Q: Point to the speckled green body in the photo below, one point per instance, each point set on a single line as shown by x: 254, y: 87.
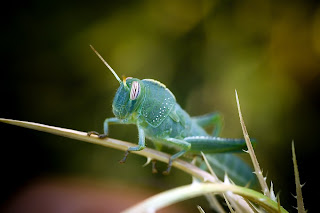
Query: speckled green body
x: 161, y: 117
x: 153, y: 109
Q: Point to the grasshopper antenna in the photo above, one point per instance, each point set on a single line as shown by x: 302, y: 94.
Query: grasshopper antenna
x: 110, y: 68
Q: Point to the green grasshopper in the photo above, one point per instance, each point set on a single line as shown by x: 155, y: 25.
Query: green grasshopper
x: 153, y: 109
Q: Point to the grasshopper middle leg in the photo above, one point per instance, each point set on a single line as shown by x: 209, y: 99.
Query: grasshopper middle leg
x: 185, y: 146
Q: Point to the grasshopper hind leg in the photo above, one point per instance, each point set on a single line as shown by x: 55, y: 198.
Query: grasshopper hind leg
x: 214, y: 119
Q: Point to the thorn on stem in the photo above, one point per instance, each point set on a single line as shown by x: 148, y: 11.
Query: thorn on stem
x: 295, y: 196
x: 246, y: 151
x: 148, y: 161
x: 302, y: 185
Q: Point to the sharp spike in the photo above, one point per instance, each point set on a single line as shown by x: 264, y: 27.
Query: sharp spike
x: 110, y: 68
x: 294, y: 196
x: 246, y: 151
x: 148, y: 161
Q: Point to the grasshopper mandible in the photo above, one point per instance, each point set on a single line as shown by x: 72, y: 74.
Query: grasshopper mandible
x: 153, y: 109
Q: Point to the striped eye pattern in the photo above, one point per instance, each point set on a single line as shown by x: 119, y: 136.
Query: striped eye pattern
x: 135, y: 90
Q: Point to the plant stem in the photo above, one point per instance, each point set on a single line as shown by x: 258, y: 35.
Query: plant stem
x: 175, y: 195
x: 297, y: 180
x: 253, y: 157
x: 115, y: 144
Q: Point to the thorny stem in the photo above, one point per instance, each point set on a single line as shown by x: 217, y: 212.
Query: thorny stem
x: 253, y: 157
x: 300, y: 206
x: 152, y: 204
x: 116, y: 144
x: 151, y: 154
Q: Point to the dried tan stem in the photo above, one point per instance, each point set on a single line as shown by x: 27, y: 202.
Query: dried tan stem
x: 253, y: 157
x: 115, y: 144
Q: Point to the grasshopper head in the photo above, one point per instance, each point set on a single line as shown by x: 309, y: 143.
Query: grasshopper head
x: 128, y: 97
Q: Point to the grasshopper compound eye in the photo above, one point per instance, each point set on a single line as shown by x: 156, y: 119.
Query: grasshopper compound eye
x: 135, y: 90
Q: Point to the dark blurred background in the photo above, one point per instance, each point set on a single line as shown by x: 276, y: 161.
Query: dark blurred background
x: 202, y: 50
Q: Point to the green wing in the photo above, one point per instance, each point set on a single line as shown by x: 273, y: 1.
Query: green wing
x: 158, y: 103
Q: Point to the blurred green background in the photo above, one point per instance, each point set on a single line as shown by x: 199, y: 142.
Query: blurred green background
x: 201, y: 50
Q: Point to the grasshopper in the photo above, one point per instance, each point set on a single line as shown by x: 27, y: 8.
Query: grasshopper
x: 153, y: 109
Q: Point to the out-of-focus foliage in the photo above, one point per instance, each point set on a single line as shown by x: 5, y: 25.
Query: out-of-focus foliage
x: 202, y: 50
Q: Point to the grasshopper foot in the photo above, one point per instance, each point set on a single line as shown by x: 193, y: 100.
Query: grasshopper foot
x: 166, y: 172
x: 123, y: 160
x: 101, y: 136
x: 154, y: 169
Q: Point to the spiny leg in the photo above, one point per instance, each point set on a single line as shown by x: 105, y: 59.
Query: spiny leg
x: 141, y: 145
x: 208, y: 120
x: 185, y: 146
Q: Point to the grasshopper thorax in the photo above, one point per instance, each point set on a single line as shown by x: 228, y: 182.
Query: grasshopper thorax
x: 128, y: 98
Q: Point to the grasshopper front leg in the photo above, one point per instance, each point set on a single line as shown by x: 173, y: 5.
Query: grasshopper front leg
x: 141, y: 145
x: 106, y: 127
